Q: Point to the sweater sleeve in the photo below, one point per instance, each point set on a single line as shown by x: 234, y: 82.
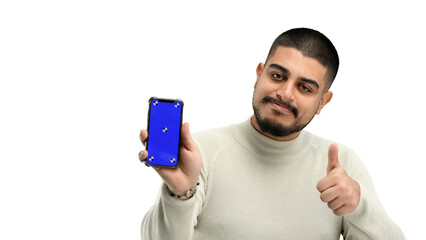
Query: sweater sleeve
x: 369, y: 220
x: 170, y: 218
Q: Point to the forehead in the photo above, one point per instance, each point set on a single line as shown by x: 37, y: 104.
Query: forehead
x: 299, y: 66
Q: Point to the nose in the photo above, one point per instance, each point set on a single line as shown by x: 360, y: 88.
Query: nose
x: 286, y: 92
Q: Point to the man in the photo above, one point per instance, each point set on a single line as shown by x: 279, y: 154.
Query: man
x: 266, y: 178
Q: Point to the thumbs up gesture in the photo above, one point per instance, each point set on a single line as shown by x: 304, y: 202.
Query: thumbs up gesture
x: 338, y: 190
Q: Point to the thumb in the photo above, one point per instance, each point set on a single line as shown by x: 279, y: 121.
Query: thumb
x: 186, y: 138
x: 333, y: 160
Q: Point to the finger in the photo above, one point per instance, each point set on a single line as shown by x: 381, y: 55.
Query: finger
x: 329, y: 195
x: 333, y: 160
x: 143, y: 155
x: 336, y: 203
x: 326, y: 183
x: 143, y: 136
x: 186, y: 137
x: 342, y: 210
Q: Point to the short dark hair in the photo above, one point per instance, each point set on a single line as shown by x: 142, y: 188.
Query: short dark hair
x: 310, y: 43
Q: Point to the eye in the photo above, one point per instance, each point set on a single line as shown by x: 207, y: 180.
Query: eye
x: 277, y: 77
x: 305, y: 88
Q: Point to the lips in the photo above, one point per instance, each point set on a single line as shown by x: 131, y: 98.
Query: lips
x: 280, y: 105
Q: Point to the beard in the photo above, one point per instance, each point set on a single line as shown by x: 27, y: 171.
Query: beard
x: 277, y: 129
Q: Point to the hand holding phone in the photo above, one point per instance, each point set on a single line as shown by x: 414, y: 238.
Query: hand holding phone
x: 185, y: 174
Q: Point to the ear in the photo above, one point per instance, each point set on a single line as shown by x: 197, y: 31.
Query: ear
x: 326, y: 98
x: 259, y: 71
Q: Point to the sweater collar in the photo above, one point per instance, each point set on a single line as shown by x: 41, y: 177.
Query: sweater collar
x: 260, y: 144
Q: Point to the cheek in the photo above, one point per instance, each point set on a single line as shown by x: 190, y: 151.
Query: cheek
x: 309, y: 109
x: 258, y: 95
x: 261, y: 90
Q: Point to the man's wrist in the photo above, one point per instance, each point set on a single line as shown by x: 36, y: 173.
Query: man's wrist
x: 186, y: 195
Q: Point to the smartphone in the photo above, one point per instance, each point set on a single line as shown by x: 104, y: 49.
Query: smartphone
x: 164, y: 125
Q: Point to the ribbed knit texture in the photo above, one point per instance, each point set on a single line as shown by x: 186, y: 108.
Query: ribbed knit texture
x: 253, y: 187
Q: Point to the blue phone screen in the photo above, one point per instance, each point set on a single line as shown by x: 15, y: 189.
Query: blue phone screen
x: 165, y: 119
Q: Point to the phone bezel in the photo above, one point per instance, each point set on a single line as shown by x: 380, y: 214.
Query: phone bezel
x: 168, y: 100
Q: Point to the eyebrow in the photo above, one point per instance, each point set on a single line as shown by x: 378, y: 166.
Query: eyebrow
x: 286, y: 71
x: 310, y: 81
x: 283, y: 69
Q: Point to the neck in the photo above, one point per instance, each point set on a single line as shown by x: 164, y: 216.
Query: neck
x: 284, y: 138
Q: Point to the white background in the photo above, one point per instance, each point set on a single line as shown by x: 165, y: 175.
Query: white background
x: 76, y: 77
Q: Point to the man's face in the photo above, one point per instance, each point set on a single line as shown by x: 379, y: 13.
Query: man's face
x: 289, y: 91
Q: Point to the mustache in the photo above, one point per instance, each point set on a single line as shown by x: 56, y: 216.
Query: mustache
x: 269, y: 99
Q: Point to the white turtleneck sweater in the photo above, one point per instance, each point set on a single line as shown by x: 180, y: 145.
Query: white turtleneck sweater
x: 253, y: 187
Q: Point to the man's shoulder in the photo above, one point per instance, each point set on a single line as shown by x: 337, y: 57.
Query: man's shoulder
x: 211, y: 142
x: 347, y: 156
x: 213, y: 136
x: 322, y: 144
